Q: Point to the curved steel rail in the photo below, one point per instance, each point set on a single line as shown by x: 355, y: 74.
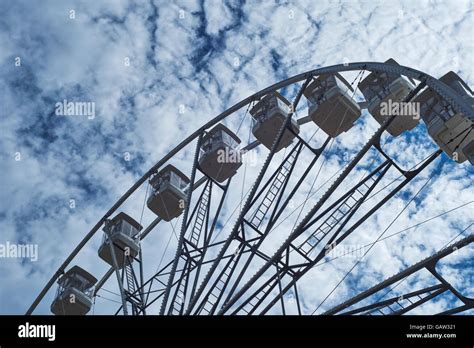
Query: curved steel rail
x: 442, y: 89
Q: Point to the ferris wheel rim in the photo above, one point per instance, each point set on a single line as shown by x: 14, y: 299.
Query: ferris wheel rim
x: 440, y: 87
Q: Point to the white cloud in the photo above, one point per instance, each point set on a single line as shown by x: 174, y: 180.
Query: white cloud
x: 173, y: 64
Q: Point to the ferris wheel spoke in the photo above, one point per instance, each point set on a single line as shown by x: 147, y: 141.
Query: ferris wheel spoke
x: 375, y: 139
x: 255, y: 266
x: 429, y: 264
x: 252, y: 194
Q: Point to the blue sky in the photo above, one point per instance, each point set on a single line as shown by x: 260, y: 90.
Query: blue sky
x: 156, y: 71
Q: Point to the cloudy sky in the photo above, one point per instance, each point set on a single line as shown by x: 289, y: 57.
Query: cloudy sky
x: 158, y: 70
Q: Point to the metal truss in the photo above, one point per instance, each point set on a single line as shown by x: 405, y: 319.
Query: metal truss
x: 407, y: 302
x: 240, y: 275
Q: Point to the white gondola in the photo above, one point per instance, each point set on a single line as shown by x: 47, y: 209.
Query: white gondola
x: 269, y: 115
x: 74, y: 294
x: 123, y: 231
x: 382, y: 91
x: 168, y: 198
x: 331, y: 106
x: 451, y: 130
x: 220, y: 157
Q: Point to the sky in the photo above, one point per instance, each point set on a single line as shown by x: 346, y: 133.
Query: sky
x: 158, y: 70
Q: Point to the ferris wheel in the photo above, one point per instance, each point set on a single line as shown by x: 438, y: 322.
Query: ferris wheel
x: 259, y: 197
